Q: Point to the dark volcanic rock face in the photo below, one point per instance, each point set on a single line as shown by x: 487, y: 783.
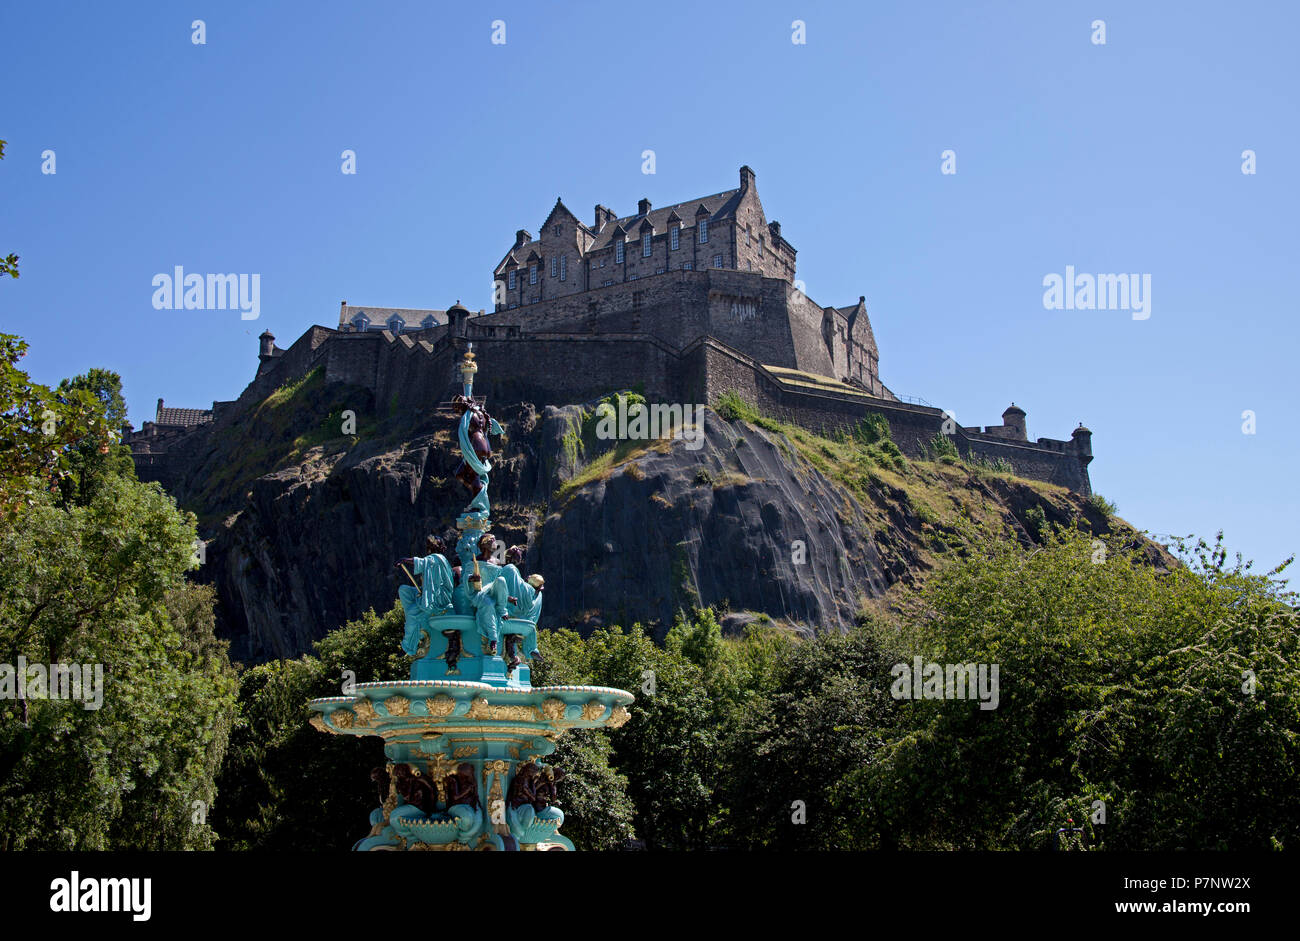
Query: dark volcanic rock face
x: 734, y: 523
x: 744, y: 523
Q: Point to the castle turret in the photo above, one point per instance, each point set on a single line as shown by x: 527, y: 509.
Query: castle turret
x: 265, y: 351
x: 1082, y: 438
x: 1013, y: 419
x: 457, y: 316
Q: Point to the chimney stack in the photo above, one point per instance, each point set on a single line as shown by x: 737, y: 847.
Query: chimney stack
x: 643, y: 207
x: 746, y: 178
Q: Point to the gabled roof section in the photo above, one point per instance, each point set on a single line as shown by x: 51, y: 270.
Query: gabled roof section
x: 560, y: 213
x: 718, y: 206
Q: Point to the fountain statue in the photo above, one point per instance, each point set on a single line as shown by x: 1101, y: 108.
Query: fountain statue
x: 465, y: 736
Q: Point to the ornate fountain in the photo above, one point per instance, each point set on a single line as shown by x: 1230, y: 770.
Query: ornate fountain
x: 466, y: 734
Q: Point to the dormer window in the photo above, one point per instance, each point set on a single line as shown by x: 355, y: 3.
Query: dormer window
x: 618, y: 252
x: 428, y: 322
x: 704, y: 231
x: 674, y: 235
x: 645, y: 245
x: 360, y: 323
x: 395, y: 324
x: 512, y: 279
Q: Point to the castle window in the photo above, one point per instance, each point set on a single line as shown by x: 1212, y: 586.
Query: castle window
x: 513, y: 306
x: 618, y: 253
x: 512, y: 279
x: 607, y: 284
x: 428, y: 322
x: 602, y: 263
x: 555, y: 263
x: 688, y: 266
x: 395, y: 324
x: 760, y: 246
x: 675, y: 236
x: 563, y: 264
x: 717, y: 261
x: 636, y: 300
x: 659, y: 271
x: 631, y: 277
x: 704, y: 231
x: 360, y: 323
x: 532, y: 274
x: 645, y: 245
x: 748, y: 233
x: 557, y: 230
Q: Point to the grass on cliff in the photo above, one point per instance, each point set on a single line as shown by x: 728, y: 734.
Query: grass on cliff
x: 948, y: 495
x: 279, y: 431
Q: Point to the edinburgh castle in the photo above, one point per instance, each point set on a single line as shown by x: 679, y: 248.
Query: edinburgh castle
x: 683, y: 303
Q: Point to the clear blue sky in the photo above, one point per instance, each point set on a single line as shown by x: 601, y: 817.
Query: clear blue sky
x: 1123, y: 157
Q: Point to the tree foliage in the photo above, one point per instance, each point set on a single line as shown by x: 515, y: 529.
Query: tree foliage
x: 96, y: 576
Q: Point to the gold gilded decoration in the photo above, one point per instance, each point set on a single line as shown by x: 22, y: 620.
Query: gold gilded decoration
x: 593, y: 710
x: 553, y: 709
x: 343, y: 718
x: 512, y: 751
x: 618, y: 717
x: 480, y: 708
x: 365, y: 711
x: 389, y: 805
x: 423, y: 650
x: 398, y: 706
x: 439, y: 768
x: 465, y: 751
x: 438, y: 847
x: 320, y: 725
x: 441, y: 705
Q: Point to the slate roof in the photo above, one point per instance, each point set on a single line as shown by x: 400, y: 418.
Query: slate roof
x: 184, y: 417
x: 412, y: 317
x: 720, y: 206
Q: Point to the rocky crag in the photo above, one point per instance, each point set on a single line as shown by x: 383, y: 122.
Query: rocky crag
x: 758, y: 519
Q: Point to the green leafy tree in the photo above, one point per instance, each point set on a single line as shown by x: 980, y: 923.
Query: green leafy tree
x: 103, y: 584
x: 46, y: 435
x: 1124, y: 690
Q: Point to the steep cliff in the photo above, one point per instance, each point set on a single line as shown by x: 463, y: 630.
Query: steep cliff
x: 759, y: 519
